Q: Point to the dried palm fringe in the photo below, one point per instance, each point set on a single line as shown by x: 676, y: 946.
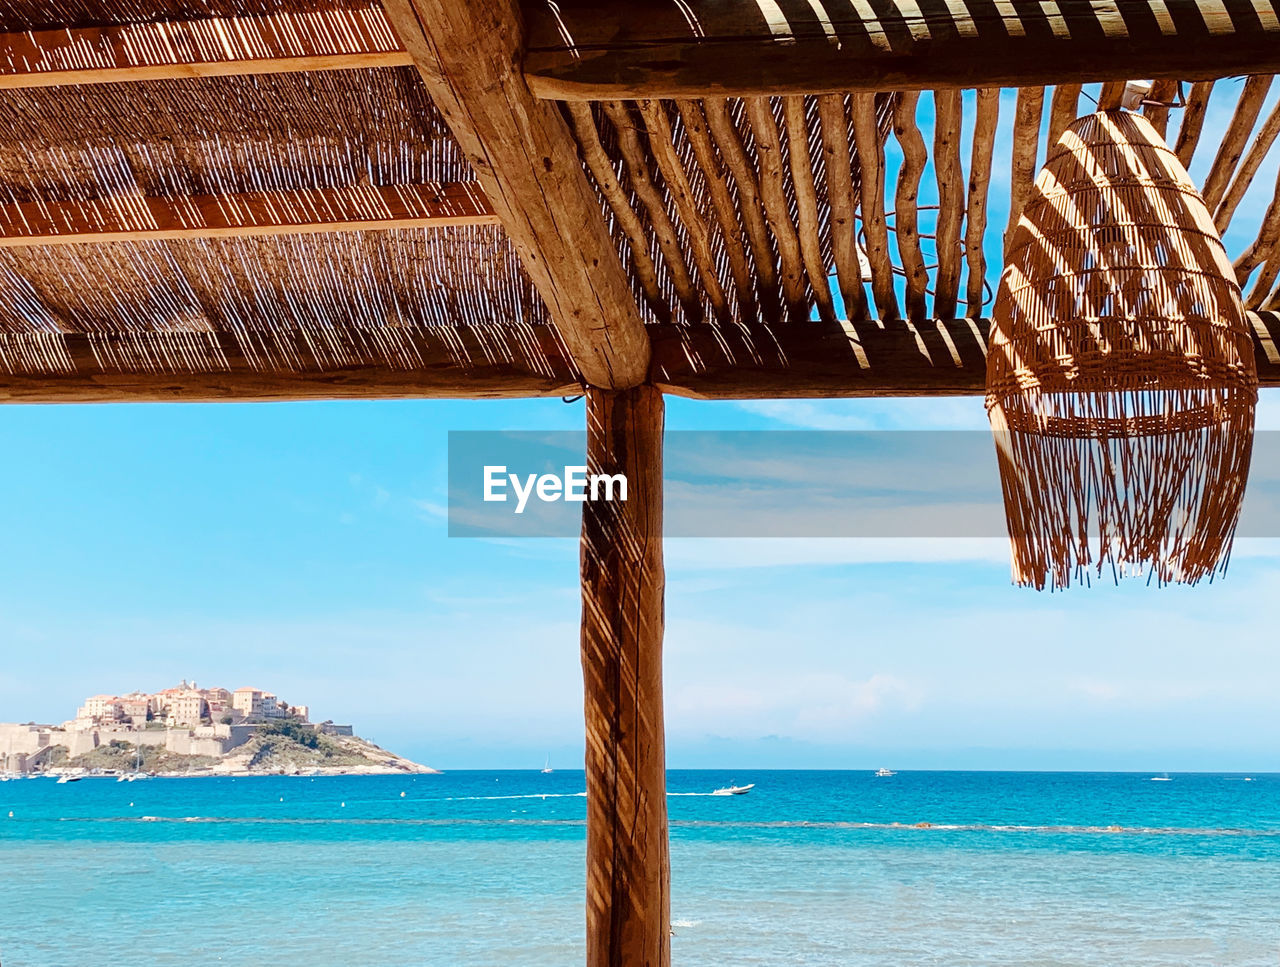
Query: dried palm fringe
x: 1123, y: 480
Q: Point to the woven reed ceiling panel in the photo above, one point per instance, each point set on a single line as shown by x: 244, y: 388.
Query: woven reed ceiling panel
x: 301, y: 204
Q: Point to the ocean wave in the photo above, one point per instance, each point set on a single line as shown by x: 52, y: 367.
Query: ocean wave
x: 799, y: 824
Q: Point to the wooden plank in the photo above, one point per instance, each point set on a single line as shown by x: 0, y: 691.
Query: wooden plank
x: 1193, y: 116
x: 802, y: 182
x: 817, y: 361
x: 134, y: 218
x: 777, y: 208
x: 987, y: 111
x: 1064, y: 109
x: 586, y: 49
x: 635, y: 160
x: 1111, y: 97
x: 1156, y: 109
x: 623, y: 584
x: 1248, y: 169
x: 663, y: 145
x: 870, y: 151
x: 906, y: 209
x: 601, y: 168
x: 1243, y: 119
x: 728, y: 141
x: 316, y: 363
x: 713, y: 170
x: 327, y: 39
x: 1028, y: 112
x: 841, y: 195
x: 528, y: 166
x: 948, y: 118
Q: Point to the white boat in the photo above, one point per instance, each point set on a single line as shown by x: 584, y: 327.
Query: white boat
x: 547, y: 767
x: 734, y: 790
x: 62, y: 779
x: 1163, y: 778
x: 885, y: 772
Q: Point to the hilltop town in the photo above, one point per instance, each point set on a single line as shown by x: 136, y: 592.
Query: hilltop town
x: 192, y: 731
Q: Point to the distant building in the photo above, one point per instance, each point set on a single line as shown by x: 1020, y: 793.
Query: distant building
x: 136, y: 707
x: 101, y: 708
x: 255, y: 703
x: 187, y: 708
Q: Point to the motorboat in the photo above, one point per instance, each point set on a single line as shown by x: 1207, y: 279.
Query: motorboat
x: 882, y: 773
x: 734, y: 790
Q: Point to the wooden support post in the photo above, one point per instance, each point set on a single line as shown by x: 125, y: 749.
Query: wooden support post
x: 628, y: 869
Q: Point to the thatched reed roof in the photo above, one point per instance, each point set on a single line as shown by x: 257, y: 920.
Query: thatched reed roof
x: 313, y: 232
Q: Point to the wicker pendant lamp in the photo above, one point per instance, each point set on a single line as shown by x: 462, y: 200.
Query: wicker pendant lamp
x: 1121, y: 382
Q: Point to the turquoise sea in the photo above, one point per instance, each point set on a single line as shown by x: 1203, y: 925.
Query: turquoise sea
x: 486, y: 868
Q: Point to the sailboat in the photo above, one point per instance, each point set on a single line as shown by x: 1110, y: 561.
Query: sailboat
x: 546, y: 769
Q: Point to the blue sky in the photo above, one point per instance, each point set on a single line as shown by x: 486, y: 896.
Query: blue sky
x: 301, y: 548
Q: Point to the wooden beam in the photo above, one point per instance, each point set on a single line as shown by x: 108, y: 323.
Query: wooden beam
x: 818, y: 360
x: 327, y: 39
x: 628, y: 868
x: 134, y: 218
x: 708, y: 361
x: 528, y: 165
x: 316, y: 363
x: 585, y: 49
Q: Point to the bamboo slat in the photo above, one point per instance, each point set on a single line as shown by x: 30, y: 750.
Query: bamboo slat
x: 135, y: 218
x: 948, y: 111
x: 597, y: 161
x: 662, y: 144
x: 704, y: 153
x: 1026, y: 146
x: 777, y: 209
x: 1192, y: 122
x: 915, y: 155
x: 740, y: 169
x: 834, y: 121
x: 350, y: 37
x: 866, y: 139
x: 1242, y: 121
x: 984, y: 139
x: 802, y: 179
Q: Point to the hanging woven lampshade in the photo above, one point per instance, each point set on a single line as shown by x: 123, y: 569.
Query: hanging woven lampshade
x: 1121, y: 381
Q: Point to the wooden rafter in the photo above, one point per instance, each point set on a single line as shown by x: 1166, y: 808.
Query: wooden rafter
x: 818, y: 360
x: 805, y: 360
x: 528, y: 165
x: 133, y: 218
x: 584, y: 49
x: 325, y: 39
x: 330, y: 362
